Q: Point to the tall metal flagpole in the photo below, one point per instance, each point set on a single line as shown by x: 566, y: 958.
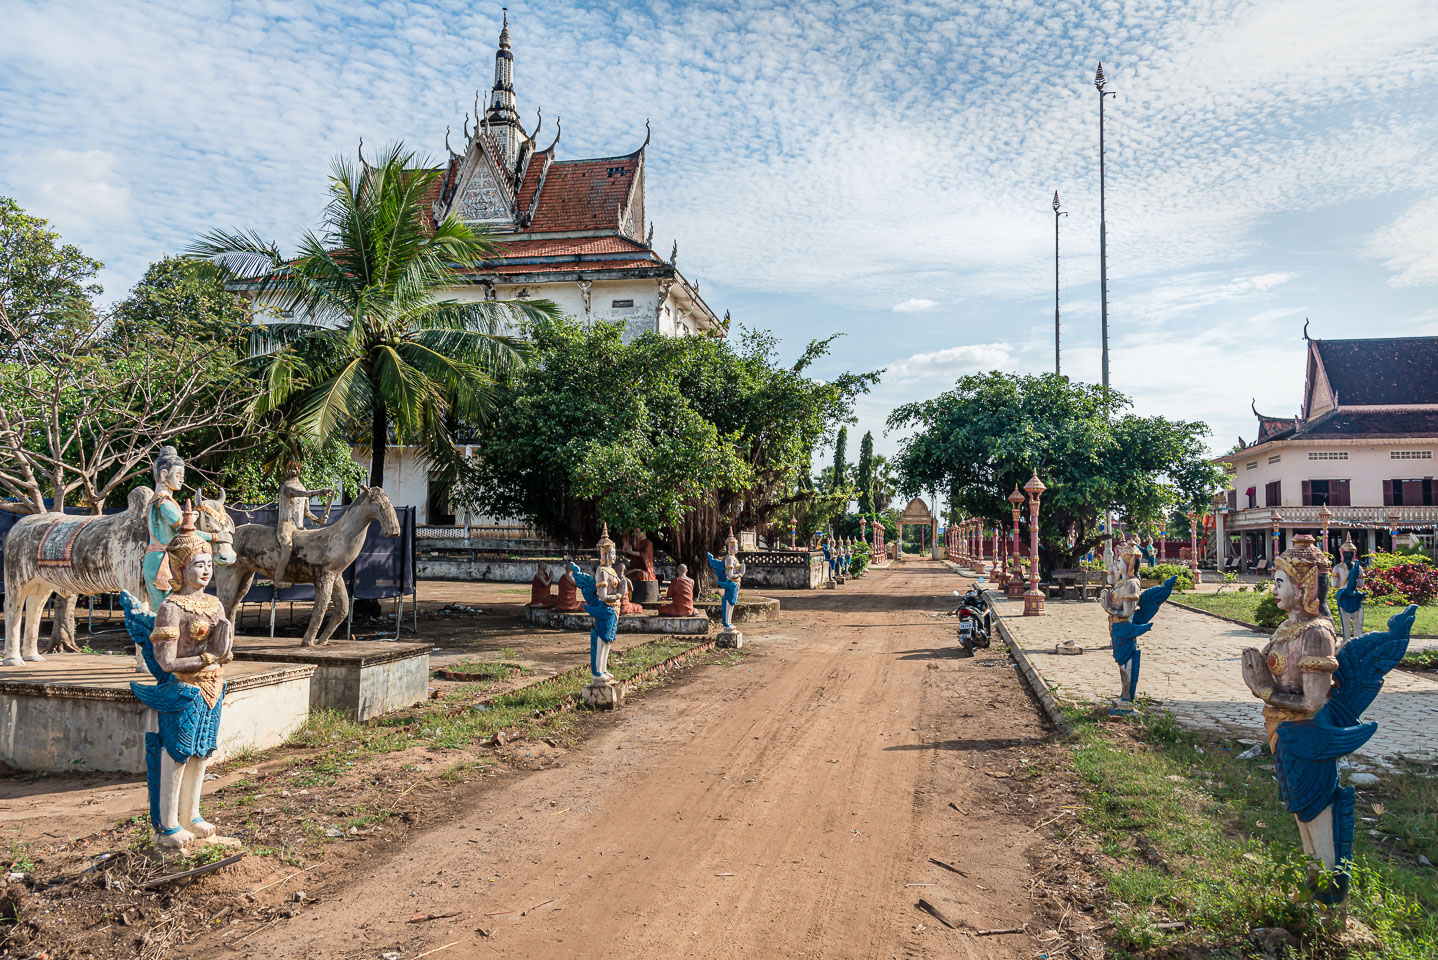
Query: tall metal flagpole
x: 1057, y: 214
x: 1098, y: 81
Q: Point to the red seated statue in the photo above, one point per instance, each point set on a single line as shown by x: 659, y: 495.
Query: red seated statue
x: 680, y: 596
x: 641, y: 554
x: 627, y: 607
x: 568, y: 599
x: 539, y: 595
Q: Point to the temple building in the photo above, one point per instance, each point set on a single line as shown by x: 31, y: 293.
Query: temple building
x: 1361, y: 449
x: 573, y: 232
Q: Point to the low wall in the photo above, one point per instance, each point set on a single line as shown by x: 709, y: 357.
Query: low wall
x: 783, y: 569
x: 470, y: 568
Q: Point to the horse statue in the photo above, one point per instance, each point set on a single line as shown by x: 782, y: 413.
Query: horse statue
x: 319, y: 556
x: 74, y: 555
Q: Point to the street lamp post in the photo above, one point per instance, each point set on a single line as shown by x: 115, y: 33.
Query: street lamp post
x: 1098, y: 82
x: 1033, y: 598
x: 1057, y: 213
x: 1016, y: 584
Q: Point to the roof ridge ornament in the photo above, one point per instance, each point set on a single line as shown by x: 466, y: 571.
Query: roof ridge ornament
x: 1305, y: 329
x: 558, y: 129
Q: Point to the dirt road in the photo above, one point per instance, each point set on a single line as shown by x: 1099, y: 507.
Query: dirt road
x: 785, y: 805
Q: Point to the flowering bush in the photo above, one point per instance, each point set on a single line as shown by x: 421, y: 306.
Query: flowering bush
x: 1415, y: 582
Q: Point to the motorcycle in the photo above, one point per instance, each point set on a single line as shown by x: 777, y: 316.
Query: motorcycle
x: 975, y: 619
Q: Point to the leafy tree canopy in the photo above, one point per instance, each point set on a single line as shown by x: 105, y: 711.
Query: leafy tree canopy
x: 680, y: 437
x: 994, y: 429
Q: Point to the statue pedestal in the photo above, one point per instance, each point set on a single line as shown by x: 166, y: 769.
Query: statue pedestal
x: 602, y: 695
x: 645, y: 591
x: 729, y: 639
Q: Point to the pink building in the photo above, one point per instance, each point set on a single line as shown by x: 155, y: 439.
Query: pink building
x: 1362, y: 446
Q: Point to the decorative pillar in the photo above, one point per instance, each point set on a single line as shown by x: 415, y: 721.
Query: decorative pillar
x: 1393, y: 517
x: 1033, y: 598
x: 1325, y: 516
x: 1001, y: 558
x: 1162, y: 544
x: 1274, y: 520
x: 1016, y: 584
x: 793, y: 532
x: 1193, y: 547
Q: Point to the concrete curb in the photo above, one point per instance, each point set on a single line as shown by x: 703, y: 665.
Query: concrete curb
x: 1218, y: 616
x: 1032, y: 679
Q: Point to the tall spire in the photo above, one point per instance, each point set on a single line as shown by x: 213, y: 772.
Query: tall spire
x: 503, y: 113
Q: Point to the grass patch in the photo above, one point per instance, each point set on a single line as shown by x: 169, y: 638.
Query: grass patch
x: 450, y: 724
x: 1189, y: 832
x: 479, y: 671
x: 1241, y: 606
x: 462, y: 771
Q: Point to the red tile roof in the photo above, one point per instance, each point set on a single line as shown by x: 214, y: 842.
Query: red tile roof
x: 583, y: 194
x: 571, y: 246
x: 1383, y: 372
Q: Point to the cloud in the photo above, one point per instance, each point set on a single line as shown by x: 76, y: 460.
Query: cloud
x: 1409, y: 245
x: 914, y: 305
x: 78, y: 190
x: 951, y: 362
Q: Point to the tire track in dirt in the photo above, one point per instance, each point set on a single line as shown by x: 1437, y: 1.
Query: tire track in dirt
x: 773, y: 808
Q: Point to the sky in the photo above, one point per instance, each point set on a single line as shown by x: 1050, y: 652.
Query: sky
x: 827, y: 166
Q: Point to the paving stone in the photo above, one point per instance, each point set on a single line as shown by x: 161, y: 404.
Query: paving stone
x: 1191, y: 667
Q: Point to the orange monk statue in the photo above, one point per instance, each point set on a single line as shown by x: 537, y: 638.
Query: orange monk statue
x: 680, y: 596
x: 539, y: 593
x: 627, y: 607
x: 568, y: 599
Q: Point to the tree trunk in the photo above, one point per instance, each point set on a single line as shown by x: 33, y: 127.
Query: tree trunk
x: 62, y: 628
x: 378, y: 439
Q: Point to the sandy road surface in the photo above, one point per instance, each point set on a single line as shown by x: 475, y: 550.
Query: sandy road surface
x: 775, y: 807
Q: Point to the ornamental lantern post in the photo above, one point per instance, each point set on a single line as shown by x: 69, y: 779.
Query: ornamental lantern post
x: 1193, y: 547
x: 1162, y: 537
x: 793, y: 532
x: 1016, y: 584
x: 1274, y: 520
x: 1033, y: 599
x: 1392, y: 517
x: 1325, y: 516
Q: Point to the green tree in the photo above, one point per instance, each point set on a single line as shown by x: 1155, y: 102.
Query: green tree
x: 679, y: 437
x: 370, y: 342
x: 864, y: 475
x: 47, y: 287
x: 993, y: 430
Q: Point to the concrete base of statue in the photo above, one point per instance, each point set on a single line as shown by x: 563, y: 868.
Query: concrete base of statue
x: 638, y: 623
x: 645, y: 591
x: 602, y: 694
x: 358, y: 678
x: 1033, y: 603
x: 75, y: 712
x: 729, y: 639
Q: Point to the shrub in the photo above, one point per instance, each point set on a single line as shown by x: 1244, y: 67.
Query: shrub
x: 1267, y: 614
x: 1416, y: 582
x: 1162, y: 571
x: 1382, y: 560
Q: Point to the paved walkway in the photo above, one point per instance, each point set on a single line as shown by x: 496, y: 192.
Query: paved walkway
x: 1191, y: 667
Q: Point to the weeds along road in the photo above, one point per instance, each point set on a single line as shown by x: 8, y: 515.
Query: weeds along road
x: 784, y: 805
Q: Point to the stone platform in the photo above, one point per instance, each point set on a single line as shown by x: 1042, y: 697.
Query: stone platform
x: 75, y: 712
x: 359, y: 678
x: 747, y: 610
x: 635, y: 623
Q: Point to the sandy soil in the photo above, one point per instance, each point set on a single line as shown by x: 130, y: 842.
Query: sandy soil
x: 784, y: 805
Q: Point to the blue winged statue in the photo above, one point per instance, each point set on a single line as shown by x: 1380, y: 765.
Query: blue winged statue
x: 728, y: 571
x: 606, y: 620
x: 1131, y: 610
x: 1314, y: 692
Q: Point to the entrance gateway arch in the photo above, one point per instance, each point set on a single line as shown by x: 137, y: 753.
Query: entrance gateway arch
x: 917, y: 514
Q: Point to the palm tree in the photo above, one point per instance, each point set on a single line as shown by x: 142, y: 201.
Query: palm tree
x: 368, y: 338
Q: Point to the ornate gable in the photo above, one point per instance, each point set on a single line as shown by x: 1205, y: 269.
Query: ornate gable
x: 482, y: 194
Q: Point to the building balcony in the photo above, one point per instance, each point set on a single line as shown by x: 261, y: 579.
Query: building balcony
x: 1307, y: 517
